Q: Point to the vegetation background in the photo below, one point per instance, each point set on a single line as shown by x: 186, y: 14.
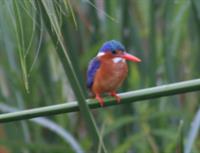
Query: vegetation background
x: 165, y: 34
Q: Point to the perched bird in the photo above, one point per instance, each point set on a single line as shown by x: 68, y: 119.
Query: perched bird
x: 108, y: 69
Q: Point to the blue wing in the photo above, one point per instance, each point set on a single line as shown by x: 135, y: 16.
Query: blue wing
x: 92, y: 68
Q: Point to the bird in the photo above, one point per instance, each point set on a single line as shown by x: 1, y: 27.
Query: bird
x: 107, y: 71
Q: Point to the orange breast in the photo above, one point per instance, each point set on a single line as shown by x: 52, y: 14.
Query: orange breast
x: 109, y: 76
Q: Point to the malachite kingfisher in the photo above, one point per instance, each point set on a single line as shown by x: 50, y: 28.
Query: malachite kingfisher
x: 107, y: 71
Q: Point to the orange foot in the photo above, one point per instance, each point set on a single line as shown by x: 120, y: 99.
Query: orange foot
x: 118, y: 99
x: 100, y: 100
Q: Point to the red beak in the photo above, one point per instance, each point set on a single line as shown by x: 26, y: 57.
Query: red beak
x: 130, y: 57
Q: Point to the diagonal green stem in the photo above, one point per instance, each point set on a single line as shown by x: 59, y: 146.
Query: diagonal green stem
x: 127, y: 97
x: 51, y: 22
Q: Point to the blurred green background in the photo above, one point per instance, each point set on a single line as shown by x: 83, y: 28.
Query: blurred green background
x: 165, y: 34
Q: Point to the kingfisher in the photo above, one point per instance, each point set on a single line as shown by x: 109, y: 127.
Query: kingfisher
x: 107, y: 71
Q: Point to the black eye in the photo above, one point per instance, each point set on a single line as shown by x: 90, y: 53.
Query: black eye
x: 114, y: 52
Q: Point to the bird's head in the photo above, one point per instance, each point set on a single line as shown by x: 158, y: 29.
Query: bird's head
x: 115, y: 50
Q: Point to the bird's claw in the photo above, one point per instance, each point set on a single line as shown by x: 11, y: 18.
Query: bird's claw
x: 100, y: 100
x: 118, y: 98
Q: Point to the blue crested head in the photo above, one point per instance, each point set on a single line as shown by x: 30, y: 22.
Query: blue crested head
x: 112, y: 45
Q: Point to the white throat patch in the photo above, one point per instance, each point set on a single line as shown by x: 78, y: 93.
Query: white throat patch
x: 118, y: 59
x: 100, y: 54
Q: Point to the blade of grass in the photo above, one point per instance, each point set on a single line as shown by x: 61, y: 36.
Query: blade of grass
x: 96, y: 35
x: 152, y: 43
x: 111, y: 24
x: 69, y: 6
x: 193, y: 132
x: 51, y: 126
x: 51, y: 22
x: 20, y: 39
x: 128, y: 143
x: 137, y: 44
x: 196, y: 33
x: 73, y: 49
x: 91, y: 2
x: 127, y: 97
x: 167, y: 34
x: 126, y: 40
x: 180, y: 138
